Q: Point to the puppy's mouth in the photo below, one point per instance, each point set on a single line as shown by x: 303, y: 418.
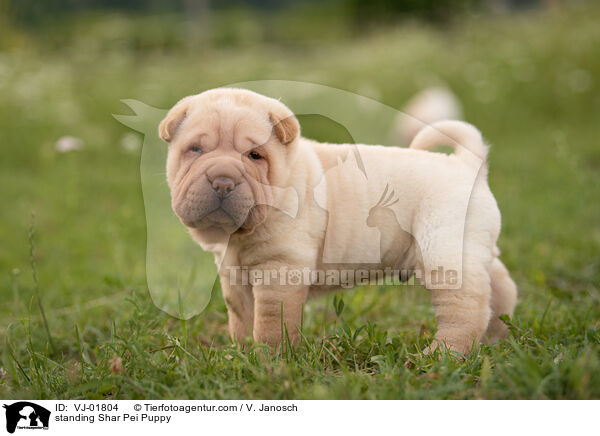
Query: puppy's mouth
x: 219, y: 218
x: 201, y: 209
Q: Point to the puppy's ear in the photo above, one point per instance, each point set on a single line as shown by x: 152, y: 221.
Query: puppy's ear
x: 285, y: 127
x: 168, y: 127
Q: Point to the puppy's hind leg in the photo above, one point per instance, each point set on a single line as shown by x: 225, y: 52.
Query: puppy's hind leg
x: 462, y: 309
x: 462, y: 315
x: 503, y: 301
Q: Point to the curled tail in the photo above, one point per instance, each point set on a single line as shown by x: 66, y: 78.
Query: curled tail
x: 464, y: 137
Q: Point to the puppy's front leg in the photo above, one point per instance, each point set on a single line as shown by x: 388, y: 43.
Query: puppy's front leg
x: 276, y: 307
x: 240, y: 308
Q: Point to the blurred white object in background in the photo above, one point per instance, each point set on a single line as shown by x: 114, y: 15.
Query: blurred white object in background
x: 131, y: 142
x: 428, y: 106
x: 68, y: 143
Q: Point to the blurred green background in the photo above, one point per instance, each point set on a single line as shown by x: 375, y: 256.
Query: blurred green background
x: 527, y: 74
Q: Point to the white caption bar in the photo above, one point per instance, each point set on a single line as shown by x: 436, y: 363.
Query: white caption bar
x: 298, y: 417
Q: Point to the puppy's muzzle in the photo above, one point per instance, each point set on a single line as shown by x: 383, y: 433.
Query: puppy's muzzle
x: 215, y: 195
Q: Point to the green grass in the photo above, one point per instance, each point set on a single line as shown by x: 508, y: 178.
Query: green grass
x: 529, y: 82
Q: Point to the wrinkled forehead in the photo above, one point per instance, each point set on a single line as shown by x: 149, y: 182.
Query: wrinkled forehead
x: 227, y: 122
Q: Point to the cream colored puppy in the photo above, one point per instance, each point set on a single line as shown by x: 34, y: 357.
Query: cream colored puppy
x: 236, y: 158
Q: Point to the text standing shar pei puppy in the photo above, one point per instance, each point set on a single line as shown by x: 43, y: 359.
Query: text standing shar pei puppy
x: 236, y: 158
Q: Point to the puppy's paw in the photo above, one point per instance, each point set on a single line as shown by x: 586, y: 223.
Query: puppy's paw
x: 439, y: 349
x: 436, y: 350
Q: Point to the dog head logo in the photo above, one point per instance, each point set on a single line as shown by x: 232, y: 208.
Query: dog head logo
x: 181, y: 277
x: 26, y: 415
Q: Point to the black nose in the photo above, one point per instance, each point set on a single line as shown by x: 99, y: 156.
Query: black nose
x: 223, y: 186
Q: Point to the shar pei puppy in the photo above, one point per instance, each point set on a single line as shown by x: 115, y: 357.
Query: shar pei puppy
x: 365, y: 214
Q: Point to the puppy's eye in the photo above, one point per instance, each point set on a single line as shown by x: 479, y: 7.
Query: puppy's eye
x: 195, y: 149
x: 254, y: 155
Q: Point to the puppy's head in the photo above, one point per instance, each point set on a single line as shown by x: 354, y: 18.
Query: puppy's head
x: 227, y: 147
